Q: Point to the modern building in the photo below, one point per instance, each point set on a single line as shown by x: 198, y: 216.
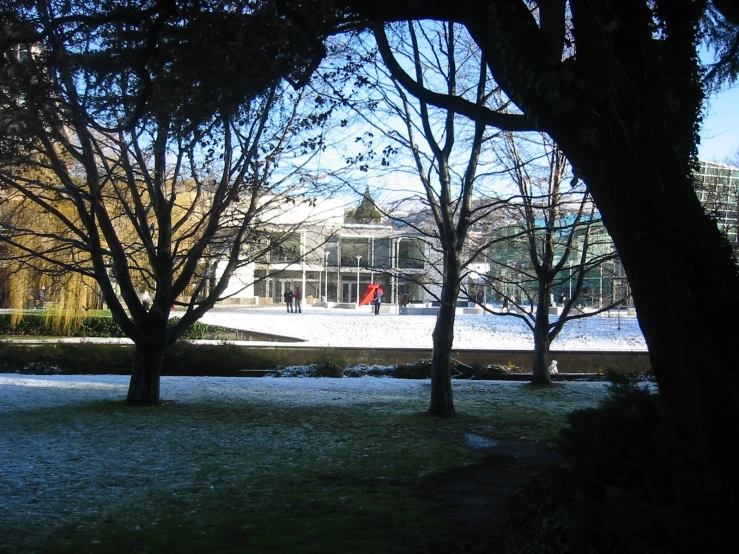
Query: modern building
x: 717, y: 186
x: 334, y: 261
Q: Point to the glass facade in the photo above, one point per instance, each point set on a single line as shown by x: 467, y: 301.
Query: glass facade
x: 411, y: 253
x: 717, y: 187
x: 330, y: 270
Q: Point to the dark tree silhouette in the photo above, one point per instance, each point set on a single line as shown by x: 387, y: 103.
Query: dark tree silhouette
x: 143, y: 198
x: 618, y: 86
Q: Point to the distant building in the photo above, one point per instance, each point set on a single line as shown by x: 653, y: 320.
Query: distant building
x: 334, y: 261
x: 717, y: 187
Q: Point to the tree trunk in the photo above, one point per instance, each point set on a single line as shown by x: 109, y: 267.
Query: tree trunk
x: 630, y: 137
x: 685, y: 287
x: 442, y: 403
x: 143, y: 389
x: 540, y: 372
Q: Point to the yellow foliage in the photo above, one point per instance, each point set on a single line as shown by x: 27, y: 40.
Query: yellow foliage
x: 67, y: 294
x: 70, y: 294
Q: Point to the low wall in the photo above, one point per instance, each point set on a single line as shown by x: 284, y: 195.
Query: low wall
x: 568, y: 361
x: 412, y: 310
x: 230, y: 359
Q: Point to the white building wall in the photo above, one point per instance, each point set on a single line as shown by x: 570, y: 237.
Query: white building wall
x: 241, y: 284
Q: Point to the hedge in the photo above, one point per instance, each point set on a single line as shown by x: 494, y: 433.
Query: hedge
x: 96, y: 326
x: 182, y: 358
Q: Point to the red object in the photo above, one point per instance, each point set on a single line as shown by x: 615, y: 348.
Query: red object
x: 369, y: 296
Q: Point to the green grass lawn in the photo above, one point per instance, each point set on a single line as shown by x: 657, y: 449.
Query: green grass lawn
x: 247, y: 465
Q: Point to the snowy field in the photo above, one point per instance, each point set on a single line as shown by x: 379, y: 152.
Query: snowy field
x: 342, y: 328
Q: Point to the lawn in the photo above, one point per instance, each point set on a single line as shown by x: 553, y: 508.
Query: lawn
x: 248, y: 465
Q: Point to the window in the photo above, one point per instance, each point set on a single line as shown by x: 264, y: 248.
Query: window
x: 410, y: 254
x: 353, y: 247
x: 285, y: 249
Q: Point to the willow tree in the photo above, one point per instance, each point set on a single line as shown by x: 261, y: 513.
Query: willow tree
x: 149, y: 175
x: 68, y: 294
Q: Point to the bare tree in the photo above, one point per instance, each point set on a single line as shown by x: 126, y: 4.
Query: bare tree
x: 445, y: 152
x: 618, y: 86
x: 147, y: 201
x: 551, y: 237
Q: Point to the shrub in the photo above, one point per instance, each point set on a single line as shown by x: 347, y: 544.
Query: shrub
x: 51, y: 359
x: 181, y: 359
x: 31, y: 324
x: 328, y: 364
x: 327, y: 369
x: 417, y: 370
x: 104, y: 327
x: 199, y: 331
x: 100, y: 326
x: 363, y: 370
x: 481, y: 372
x: 184, y: 358
x: 616, y: 490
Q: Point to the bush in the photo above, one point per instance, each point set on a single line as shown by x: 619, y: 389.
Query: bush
x: 327, y: 369
x: 94, y: 326
x: 364, y: 370
x: 181, y: 359
x: 483, y: 372
x: 184, y: 358
x: 199, y: 331
x: 31, y: 324
x: 328, y: 364
x: 616, y: 490
x: 69, y: 359
x: 417, y: 370
x: 102, y: 327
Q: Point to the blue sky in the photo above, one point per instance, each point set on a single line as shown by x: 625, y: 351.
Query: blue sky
x: 720, y: 131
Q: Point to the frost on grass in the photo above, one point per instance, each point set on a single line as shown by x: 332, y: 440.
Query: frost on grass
x: 74, y: 454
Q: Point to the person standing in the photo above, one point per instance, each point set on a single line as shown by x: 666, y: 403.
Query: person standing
x: 146, y: 300
x: 289, y: 300
x: 378, y: 300
x: 41, y: 297
x: 480, y: 297
x: 298, y: 298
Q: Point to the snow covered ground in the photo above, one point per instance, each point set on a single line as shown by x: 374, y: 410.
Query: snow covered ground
x: 341, y: 327
x: 73, y: 455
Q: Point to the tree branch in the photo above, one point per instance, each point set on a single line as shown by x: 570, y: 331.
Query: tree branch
x: 456, y: 104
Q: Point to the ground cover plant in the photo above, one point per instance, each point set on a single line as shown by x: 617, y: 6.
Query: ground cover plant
x: 258, y: 465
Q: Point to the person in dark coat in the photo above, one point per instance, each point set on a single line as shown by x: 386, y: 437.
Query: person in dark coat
x: 289, y: 300
x: 298, y: 298
x: 378, y: 300
x: 480, y: 297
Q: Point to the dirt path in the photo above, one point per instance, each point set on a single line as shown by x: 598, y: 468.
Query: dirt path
x: 475, y: 497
